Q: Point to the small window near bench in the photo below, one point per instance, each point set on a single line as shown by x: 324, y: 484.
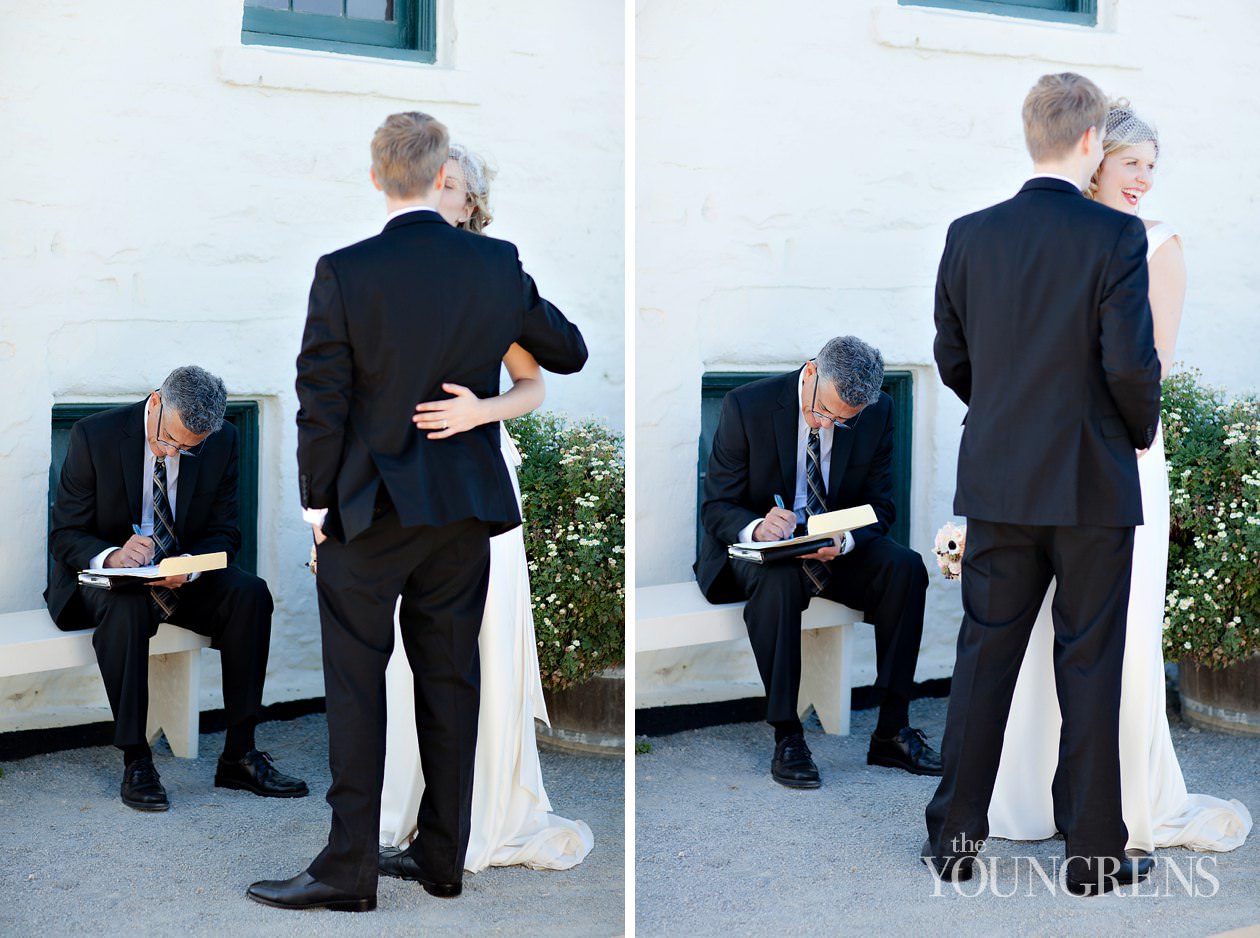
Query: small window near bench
x: 899, y: 385
x: 241, y: 414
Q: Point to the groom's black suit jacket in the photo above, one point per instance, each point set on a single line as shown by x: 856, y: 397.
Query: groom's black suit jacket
x: 1044, y: 331
x: 754, y: 458
x: 390, y: 319
x: 99, y: 495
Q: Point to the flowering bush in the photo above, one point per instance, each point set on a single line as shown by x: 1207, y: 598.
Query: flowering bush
x: 951, y: 541
x: 573, y: 487
x: 1212, y: 612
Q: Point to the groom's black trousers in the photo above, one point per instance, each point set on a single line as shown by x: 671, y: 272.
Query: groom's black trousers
x: 1007, y: 569
x: 883, y: 579
x: 441, y: 574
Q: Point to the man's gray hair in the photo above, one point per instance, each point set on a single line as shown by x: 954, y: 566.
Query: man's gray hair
x: 853, y: 368
x: 197, y: 396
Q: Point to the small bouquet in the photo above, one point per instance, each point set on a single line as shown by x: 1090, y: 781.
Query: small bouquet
x: 311, y: 563
x: 951, y: 541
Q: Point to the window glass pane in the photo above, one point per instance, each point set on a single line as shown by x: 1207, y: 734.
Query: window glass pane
x: 326, y: 7
x: 268, y: 4
x: 381, y: 10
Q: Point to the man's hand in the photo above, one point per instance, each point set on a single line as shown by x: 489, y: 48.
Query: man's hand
x: 137, y: 552
x: 824, y: 554
x: 320, y: 536
x: 170, y: 582
x: 453, y: 415
x: 778, y: 525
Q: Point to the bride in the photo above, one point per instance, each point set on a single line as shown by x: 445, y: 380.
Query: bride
x: 1158, y: 810
x: 511, y: 819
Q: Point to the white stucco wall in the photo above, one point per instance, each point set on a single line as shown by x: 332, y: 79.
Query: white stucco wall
x: 797, y: 169
x: 167, y: 192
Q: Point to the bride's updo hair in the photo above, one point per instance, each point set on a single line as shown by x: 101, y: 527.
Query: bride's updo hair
x: 477, y: 177
x: 1123, y: 129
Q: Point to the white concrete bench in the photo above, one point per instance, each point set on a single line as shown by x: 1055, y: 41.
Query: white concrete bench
x: 30, y: 643
x: 677, y: 615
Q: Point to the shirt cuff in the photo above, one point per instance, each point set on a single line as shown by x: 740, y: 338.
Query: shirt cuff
x: 314, y: 516
x: 847, y: 544
x: 746, y: 534
x: 97, y: 562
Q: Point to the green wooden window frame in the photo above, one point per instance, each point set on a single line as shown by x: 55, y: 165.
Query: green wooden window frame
x: 1080, y: 12
x: 899, y: 385
x: 412, y: 35
x: 241, y: 414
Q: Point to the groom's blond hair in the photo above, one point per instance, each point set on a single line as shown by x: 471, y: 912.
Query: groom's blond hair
x: 407, y: 152
x: 1058, y: 111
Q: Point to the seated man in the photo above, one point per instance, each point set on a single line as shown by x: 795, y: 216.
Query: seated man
x: 159, y: 478
x: 797, y: 440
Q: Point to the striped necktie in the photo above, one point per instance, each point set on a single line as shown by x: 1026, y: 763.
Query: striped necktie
x: 815, y: 504
x: 163, y: 536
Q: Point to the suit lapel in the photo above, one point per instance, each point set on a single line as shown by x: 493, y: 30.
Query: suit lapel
x: 786, y: 425
x: 131, y: 459
x: 841, y: 447
x: 185, y: 486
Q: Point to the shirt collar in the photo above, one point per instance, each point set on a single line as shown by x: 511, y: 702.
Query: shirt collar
x: 409, y: 208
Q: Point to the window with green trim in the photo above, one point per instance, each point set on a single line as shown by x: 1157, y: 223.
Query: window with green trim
x: 241, y: 414
x: 393, y: 29
x: 1080, y: 12
x: 899, y: 385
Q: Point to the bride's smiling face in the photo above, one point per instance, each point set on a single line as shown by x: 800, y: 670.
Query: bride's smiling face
x: 454, y: 205
x: 1126, y: 176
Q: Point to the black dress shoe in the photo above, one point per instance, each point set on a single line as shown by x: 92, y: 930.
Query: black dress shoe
x: 907, y: 750
x: 792, y: 765
x: 142, y: 787
x: 400, y: 865
x: 304, y: 891
x: 957, y: 869
x: 257, y: 772
x: 1131, y: 870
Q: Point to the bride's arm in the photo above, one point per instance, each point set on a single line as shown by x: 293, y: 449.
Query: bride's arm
x: 465, y: 410
x: 1168, y: 294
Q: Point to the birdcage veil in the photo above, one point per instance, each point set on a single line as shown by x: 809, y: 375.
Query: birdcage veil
x: 477, y: 177
x: 1125, y: 128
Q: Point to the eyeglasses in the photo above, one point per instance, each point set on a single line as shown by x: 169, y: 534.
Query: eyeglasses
x: 170, y: 444
x: 825, y: 417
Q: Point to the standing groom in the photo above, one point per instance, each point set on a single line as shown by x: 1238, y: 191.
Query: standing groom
x: 1043, y: 329
x: 397, y: 513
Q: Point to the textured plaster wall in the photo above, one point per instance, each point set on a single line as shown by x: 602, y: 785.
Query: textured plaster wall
x: 796, y: 174
x: 167, y: 192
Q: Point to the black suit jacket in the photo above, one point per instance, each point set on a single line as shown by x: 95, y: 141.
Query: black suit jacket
x: 99, y: 494
x: 754, y: 458
x: 390, y: 319
x: 1043, y: 328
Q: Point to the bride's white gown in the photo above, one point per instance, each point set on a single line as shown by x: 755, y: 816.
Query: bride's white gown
x: 511, y: 819
x: 1158, y: 810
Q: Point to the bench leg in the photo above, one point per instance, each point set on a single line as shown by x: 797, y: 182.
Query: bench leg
x: 174, y: 696
x: 826, y: 660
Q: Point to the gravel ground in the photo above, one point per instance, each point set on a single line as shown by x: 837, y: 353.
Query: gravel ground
x: 77, y: 861
x: 721, y: 849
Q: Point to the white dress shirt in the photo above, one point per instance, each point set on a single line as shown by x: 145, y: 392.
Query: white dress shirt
x: 800, y: 498
x: 146, y: 489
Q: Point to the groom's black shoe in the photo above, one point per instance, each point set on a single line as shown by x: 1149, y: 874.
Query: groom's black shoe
x: 957, y: 869
x: 792, y: 765
x: 396, y: 863
x: 907, y: 750
x: 142, y: 787
x: 1131, y: 870
x: 304, y: 891
x: 257, y: 772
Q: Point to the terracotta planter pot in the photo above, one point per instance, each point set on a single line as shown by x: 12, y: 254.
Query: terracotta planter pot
x: 590, y: 717
x: 1222, y: 700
